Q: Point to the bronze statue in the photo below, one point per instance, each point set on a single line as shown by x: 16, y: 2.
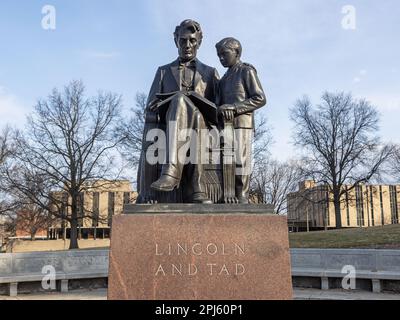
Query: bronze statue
x: 240, y: 94
x: 185, y: 95
x: 178, y: 92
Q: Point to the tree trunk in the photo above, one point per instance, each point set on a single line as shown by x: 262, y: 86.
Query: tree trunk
x: 74, y: 234
x: 74, y: 225
x: 338, y: 211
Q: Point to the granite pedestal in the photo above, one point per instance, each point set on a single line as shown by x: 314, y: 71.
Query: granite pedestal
x: 199, y: 252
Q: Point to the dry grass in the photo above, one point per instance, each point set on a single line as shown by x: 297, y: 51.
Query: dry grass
x: 386, y: 237
x: 57, y: 245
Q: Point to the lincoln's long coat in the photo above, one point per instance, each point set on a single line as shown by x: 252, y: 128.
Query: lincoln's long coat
x: 166, y: 80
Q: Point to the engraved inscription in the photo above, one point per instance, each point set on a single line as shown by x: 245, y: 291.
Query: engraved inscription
x: 199, y: 249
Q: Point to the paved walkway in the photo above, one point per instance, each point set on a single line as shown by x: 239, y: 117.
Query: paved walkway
x: 299, y: 294
x: 97, y: 294
x: 333, y: 294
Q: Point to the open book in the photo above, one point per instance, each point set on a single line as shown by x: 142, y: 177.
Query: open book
x: 207, y: 108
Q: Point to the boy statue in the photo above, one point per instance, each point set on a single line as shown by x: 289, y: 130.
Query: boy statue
x: 240, y: 94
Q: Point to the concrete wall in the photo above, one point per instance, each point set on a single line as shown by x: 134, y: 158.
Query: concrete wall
x: 335, y: 259
x: 321, y: 259
x: 64, y: 262
x: 324, y: 259
x: 376, y: 270
x: 373, y: 270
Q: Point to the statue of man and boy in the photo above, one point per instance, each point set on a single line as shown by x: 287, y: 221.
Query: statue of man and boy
x: 187, y: 94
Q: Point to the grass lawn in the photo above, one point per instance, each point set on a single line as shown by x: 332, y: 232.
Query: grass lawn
x: 57, y: 245
x: 386, y: 237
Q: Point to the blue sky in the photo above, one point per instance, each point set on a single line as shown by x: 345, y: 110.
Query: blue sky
x: 298, y: 46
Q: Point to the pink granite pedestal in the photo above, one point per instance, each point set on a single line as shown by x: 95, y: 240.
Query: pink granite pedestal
x: 199, y: 256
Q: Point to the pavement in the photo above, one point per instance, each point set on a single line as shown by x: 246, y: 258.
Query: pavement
x: 96, y: 294
x: 299, y: 294
x: 339, y: 294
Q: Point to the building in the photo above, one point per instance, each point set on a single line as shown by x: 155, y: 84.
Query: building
x: 310, y: 208
x: 98, y: 204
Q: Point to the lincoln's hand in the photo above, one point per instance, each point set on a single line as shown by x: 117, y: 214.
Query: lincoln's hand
x: 229, y: 115
x: 225, y: 107
x: 227, y: 111
x: 154, y: 107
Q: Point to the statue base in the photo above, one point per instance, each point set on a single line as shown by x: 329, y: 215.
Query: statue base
x: 199, y: 252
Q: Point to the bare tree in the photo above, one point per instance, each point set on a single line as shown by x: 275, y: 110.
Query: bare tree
x: 68, y: 143
x: 272, y: 181
x: 30, y: 219
x: 25, y: 215
x: 340, y: 141
x: 5, y: 149
x: 130, y: 132
x: 262, y: 139
x: 394, y: 163
x: 5, y: 203
x: 5, y: 153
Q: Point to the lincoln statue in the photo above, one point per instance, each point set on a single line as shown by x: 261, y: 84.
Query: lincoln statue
x: 176, y: 101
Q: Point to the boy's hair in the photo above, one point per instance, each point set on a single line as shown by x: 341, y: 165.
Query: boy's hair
x: 230, y: 43
x: 192, y: 26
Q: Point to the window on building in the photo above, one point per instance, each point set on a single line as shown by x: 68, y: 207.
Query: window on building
x: 397, y: 194
x: 367, y: 209
x: 81, y: 209
x: 64, y: 209
x: 328, y: 220
x: 381, y: 201
x: 111, y: 207
x: 314, y: 209
x: 360, y: 206
x: 347, y: 207
x: 127, y: 198
x: 371, y: 195
x: 393, y: 205
x: 95, y: 209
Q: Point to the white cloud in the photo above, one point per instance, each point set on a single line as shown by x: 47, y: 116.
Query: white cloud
x: 363, y: 72
x: 357, y: 80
